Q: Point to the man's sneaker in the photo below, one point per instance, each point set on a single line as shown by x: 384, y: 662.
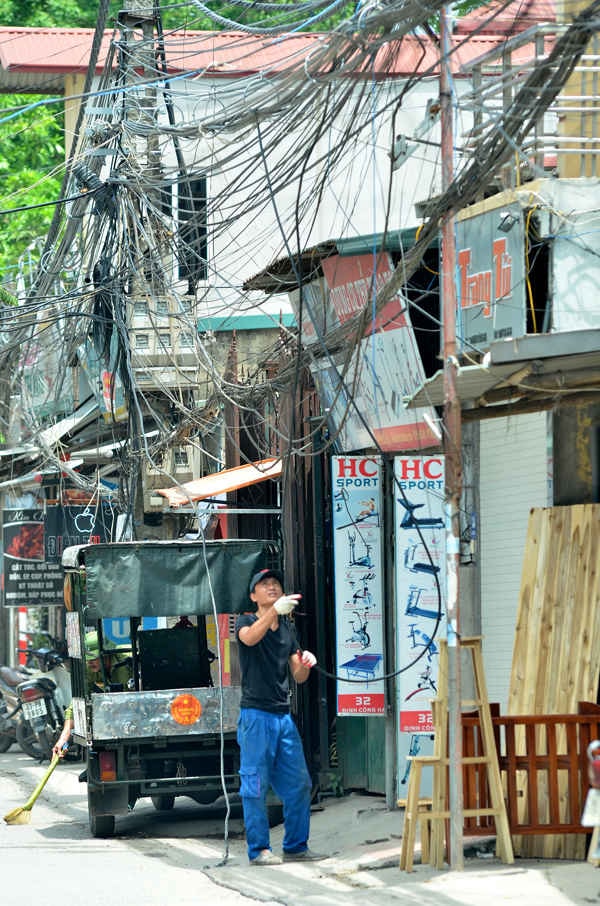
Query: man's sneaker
x: 306, y: 855
x: 266, y: 857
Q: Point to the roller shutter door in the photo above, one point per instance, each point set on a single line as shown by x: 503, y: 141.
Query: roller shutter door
x: 515, y: 475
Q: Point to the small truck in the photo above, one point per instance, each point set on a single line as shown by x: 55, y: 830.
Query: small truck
x: 170, y: 729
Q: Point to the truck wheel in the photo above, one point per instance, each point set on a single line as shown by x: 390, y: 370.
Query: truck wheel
x: 27, y: 740
x: 100, y: 825
x: 163, y: 803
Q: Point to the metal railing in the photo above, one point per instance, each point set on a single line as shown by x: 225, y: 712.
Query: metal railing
x: 565, y: 141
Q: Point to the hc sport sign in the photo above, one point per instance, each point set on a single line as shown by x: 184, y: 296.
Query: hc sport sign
x: 420, y: 586
x: 357, y: 546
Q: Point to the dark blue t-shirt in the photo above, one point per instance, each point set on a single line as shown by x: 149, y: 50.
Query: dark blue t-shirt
x: 265, y: 682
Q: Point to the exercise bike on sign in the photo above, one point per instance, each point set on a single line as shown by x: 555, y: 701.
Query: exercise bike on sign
x: 359, y: 629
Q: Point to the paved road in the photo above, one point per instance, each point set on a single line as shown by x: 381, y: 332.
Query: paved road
x: 182, y: 857
x: 153, y: 861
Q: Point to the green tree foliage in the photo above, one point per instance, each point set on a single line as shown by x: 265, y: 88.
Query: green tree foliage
x: 32, y: 143
x: 52, y: 13
x: 31, y: 149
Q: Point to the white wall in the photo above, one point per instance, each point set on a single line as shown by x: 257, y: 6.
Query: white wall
x: 514, y: 478
x: 342, y: 194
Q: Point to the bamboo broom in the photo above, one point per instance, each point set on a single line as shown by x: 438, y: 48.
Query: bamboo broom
x: 22, y: 815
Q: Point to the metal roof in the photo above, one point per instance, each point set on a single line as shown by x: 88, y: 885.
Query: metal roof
x: 523, y: 374
x: 237, y: 322
x: 35, y: 60
x: 281, y: 275
x: 500, y: 16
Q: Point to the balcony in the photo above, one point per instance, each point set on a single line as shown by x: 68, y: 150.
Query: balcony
x: 564, y: 140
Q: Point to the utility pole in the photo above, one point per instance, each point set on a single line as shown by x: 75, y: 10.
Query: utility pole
x: 452, y: 449
x: 137, y: 23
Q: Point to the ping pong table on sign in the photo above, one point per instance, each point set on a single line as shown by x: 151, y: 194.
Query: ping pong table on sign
x: 362, y: 666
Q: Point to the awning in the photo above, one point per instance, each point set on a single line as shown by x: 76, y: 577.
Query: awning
x: 35, y: 478
x: 523, y: 374
x: 282, y: 275
x: 106, y: 451
x: 221, y: 482
x: 82, y: 416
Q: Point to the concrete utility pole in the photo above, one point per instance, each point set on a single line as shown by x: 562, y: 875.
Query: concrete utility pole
x: 452, y: 449
x: 137, y: 24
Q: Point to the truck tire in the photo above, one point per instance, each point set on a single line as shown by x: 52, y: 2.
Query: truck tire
x: 163, y: 803
x: 100, y: 825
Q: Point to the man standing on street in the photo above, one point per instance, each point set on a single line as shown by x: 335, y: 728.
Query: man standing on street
x: 270, y: 745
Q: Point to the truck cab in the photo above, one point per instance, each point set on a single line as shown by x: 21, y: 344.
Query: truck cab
x: 167, y: 728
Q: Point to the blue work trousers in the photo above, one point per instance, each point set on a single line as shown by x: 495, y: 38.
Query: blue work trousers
x: 271, y: 754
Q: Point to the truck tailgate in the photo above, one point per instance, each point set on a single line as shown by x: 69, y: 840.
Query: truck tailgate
x: 165, y: 712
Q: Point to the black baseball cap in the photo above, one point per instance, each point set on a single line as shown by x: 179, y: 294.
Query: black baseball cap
x: 264, y: 574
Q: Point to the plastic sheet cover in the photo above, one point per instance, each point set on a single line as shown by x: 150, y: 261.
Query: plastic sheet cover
x: 171, y: 578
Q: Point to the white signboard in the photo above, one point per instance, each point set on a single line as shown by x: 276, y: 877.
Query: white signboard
x: 420, y: 598
x: 364, y: 398
x: 491, y: 277
x: 357, y: 543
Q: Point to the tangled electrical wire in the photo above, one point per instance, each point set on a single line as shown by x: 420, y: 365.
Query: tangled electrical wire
x: 225, y: 155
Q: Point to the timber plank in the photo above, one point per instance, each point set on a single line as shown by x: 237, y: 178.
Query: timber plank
x: 556, y: 655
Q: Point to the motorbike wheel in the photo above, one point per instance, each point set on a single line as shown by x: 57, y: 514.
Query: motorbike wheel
x: 100, y: 825
x: 27, y: 740
x: 6, y: 741
x: 163, y: 803
x: 46, y: 740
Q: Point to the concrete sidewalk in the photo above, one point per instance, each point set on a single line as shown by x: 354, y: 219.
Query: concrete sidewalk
x: 359, y: 834
x: 363, y: 838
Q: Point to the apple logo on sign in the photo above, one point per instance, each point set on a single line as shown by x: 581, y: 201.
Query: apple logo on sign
x: 85, y: 522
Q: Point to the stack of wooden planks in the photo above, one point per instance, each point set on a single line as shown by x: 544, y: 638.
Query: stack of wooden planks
x: 556, y: 657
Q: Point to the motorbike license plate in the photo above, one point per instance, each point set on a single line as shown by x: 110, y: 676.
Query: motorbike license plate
x: 34, y: 709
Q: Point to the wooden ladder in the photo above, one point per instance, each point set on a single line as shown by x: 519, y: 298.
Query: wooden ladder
x: 434, y: 823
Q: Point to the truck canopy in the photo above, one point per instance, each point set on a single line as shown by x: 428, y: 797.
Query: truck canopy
x: 169, y: 578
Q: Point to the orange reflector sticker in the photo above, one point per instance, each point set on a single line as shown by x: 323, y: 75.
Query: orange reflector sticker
x: 185, y: 709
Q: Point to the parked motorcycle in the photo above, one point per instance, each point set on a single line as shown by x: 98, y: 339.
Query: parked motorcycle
x: 13, y: 726
x: 45, y: 695
x: 9, y: 705
x: 7, y: 728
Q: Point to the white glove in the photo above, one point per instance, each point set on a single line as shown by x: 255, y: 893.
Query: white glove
x: 285, y: 604
x: 307, y: 658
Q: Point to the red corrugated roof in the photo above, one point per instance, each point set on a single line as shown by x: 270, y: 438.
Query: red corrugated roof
x: 502, y: 18
x: 64, y: 50
x: 231, y: 54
